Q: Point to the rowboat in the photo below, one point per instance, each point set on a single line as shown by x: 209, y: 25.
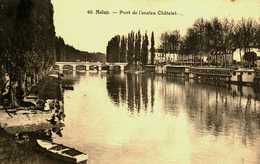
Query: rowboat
x: 61, y: 152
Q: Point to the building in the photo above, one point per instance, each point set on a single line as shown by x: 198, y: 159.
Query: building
x: 192, y: 59
x: 161, y: 57
x: 243, y: 75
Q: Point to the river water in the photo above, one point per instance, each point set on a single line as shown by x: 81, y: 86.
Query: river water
x: 145, y: 119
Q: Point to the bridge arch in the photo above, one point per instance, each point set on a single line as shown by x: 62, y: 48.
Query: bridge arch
x: 81, y: 68
x: 105, y: 68
x: 115, y: 68
x: 93, y: 68
x: 89, y: 66
x: 67, y: 67
x: 56, y: 67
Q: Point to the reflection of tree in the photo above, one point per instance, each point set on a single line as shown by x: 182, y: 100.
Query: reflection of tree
x: 144, y: 83
x: 113, y: 88
x: 123, y: 89
x: 248, y: 103
x: 213, y: 108
x: 131, y: 88
x: 130, y: 92
x: 117, y: 88
x: 137, y: 93
x: 152, y: 92
x: 221, y: 109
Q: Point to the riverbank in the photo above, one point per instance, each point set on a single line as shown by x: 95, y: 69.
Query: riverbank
x: 47, y: 100
x: 24, y: 121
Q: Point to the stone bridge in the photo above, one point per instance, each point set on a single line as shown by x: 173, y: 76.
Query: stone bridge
x: 89, y: 66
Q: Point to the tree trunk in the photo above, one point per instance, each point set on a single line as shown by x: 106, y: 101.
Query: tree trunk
x: 240, y: 57
x: 224, y: 60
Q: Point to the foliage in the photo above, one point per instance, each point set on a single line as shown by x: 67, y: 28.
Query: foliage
x: 144, y: 50
x: 27, y: 42
x: 123, y: 50
x: 218, y: 38
x: 152, y: 48
x: 133, y: 50
x: 250, y: 57
x: 131, y: 47
x: 113, y: 49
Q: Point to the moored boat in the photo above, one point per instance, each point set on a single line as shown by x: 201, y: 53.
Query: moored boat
x: 62, y: 152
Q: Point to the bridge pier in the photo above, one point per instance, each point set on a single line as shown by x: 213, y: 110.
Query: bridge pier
x: 87, y: 67
x: 122, y: 68
x: 99, y: 68
x: 110, y: 67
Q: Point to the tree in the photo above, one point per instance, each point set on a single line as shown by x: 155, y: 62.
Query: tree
x: 164, y: 39
x: 60, y: 45
x: 152, y: 49
x: 113, y: 49
x: 227, y: 41
x: 109, y: 53
x: 174, y: 41
x: 245, y: 35
x: 137, y: 47
x: 257, y: 36
x: 248, y: 32
x: 131, y: 47
x: 191, y: 41
x: 215, y: 39
x: 123, y: 49
x: 250, y: 57
x: 144, y: 53
x: 165, y: 45
x: 199, y: 27
x: 170, y: 42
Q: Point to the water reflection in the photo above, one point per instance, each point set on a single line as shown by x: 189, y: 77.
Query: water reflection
x: 131, y: 89
x: 219, y: 110
x: 137, y: 90
x: 142, y: 119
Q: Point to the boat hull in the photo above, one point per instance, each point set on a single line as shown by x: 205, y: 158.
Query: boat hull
x: 47, y: 148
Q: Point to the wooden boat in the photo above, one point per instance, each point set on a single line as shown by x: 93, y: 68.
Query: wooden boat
x: 62, y: 152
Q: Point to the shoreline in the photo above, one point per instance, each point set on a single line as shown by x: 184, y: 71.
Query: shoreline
x: 28, y: 119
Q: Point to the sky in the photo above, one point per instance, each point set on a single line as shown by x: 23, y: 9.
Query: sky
x: 91, y: 32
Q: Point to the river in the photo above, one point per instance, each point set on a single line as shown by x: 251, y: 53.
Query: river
x: 145, y: 119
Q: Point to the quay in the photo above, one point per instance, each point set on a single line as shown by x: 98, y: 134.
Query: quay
x: 239, y: 76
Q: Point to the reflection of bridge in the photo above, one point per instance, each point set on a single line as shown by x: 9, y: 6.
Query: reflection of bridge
x: 89, y: 66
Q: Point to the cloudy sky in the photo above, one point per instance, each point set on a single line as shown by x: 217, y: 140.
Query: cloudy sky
x: 91, y: 32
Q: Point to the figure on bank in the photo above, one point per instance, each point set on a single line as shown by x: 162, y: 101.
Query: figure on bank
x: 12, y: 95
x: 6, y: 91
